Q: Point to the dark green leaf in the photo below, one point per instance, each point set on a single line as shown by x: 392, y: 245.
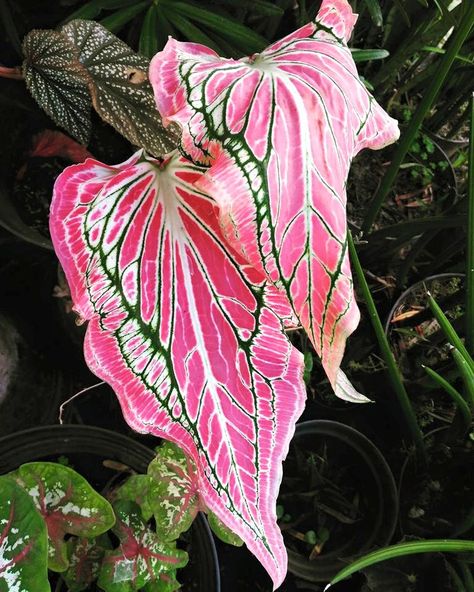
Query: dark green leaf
x: 85, y: 560
x: 120, y: 18
x: 67, y: 503
x: 262, y: 7
x: 57, y: 81
x: 410, y: 548
x: 149, y: 39
x: 137, y: 488
x: 23, y: 541
x: 365, y: 55
x: 375, y: 11
x: 226, y: 27
x: 193, y: 33
x: 121, y: 92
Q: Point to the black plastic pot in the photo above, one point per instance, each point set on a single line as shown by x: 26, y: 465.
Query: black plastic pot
x: 87, y: 447
x: 367, y: 471
x: 448, y: 290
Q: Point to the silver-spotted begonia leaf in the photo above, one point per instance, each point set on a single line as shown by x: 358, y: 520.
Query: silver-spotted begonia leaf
x: 23, y: 541
x: 279, y: 130
x: 67, y: 503
x: 57, y: 81
x: 141, y: 556
x: 119, y: 86
x: 187, y: 333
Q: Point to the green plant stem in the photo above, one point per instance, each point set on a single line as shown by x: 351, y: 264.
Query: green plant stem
x: 466, y: 576
x: 411, y: 548
x: 467, y: 374
x: 395, y: 376
x: 422, y: 110
x: 449, y: 330
x: 470, y: 242
x: 454, y: 394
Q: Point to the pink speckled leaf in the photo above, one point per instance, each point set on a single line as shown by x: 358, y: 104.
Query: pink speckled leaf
x: 188, y: 335
x: 279, y: 130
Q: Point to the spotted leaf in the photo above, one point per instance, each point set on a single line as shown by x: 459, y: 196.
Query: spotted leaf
x: 279, y: 130
x: 23, y: 541
x: 141, y: 556
x: 67, y: 503
x: 118, y: 81
x: 136, y: 488
x: 174, y: 492
x: 57, y: 81
x: 85, y: 560
x: 188, y: 335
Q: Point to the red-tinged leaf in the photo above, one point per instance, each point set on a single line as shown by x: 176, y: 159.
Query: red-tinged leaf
x: 85, y: 560
x: 23, y: 541
x: 174, y: 492
x: 141, y: 557
x: 184, y: 331
x: 279, y: 130
x: 67, y: 503
x: 51, y: 143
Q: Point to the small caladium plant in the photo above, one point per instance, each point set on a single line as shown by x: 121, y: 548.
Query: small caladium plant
x: 141, y: 558
x: 67, y: 503
x: 23, y: 541
x: 85, y: 560
x: 278, y: 131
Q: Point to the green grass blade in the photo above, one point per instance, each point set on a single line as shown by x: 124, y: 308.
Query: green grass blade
x: 375, y: 12
x: 394, y: 373
x: 454, y: 394
x: 440, y: 50
x: 232, y: 30
x: 467, y: 373
x: 148, y: 43
x: 120, y: 18
x: 449, y: 330
x: 193, y: 33
x: 401, y: 549
x: 365, y: 55
x: 470, y: 242
x: 10, y: 27
x: 406, y: 140
x: 466, y: 576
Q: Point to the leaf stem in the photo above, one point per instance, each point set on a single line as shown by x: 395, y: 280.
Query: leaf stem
x: 461, y: 404
x: 394, y: 373
x: 470, y: 242
x: 422, y: 110
x: 13, y: 73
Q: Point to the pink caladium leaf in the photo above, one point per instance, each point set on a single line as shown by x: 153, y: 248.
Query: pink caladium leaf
x: 279, y: 130
x: 141, y: 556
x: 186, y: 332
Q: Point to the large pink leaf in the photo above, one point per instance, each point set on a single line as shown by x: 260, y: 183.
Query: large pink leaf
x: 279, y: 130
x: 188, y: 335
